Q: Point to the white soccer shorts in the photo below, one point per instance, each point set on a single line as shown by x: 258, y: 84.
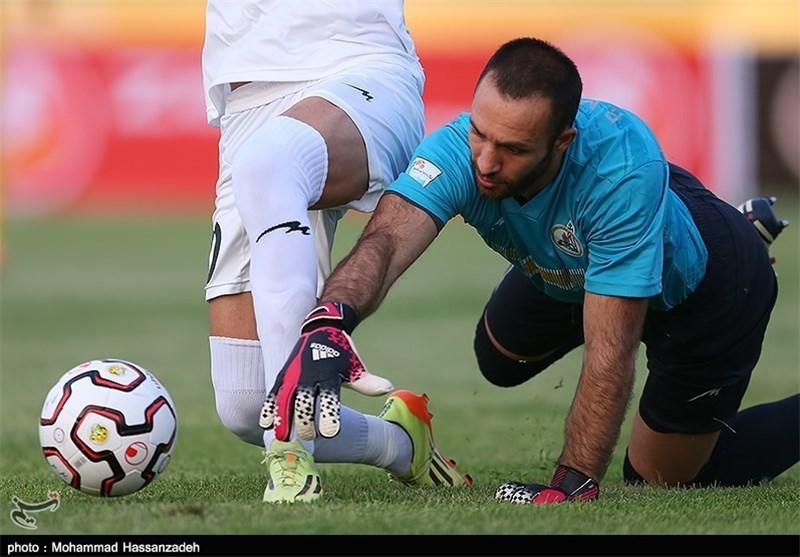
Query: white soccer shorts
x: 385, y: 103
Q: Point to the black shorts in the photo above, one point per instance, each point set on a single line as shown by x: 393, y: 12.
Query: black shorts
x: 700, y: 354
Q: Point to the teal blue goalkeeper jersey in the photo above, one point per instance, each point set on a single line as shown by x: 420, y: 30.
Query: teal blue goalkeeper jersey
x: 608, y: 223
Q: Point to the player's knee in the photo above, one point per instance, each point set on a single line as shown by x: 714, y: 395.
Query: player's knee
x: 496, y: 367
x: 257, y: 161
x: 239, y: 413
x: 285, y: 161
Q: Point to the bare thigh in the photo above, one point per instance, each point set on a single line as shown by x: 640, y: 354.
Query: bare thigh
x: 348, y: 170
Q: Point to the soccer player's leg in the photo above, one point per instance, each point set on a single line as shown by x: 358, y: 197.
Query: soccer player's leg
x: 313, y: 155
x: 278, y: 173
x: 237, y: 358
x: 522, y: 331
x: 236, y: 365
x: 688, y: 430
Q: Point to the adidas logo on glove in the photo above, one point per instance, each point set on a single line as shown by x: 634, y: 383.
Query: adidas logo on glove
x: 320, y: 352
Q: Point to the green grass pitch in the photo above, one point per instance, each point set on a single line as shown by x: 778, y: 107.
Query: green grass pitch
x: 82, y: 287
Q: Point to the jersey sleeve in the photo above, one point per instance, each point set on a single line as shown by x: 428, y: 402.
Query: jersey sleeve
x: 626, y: 238
x: 439, y: 178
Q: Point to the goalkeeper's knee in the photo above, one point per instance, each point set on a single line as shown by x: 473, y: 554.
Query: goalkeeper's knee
x: 498, y: 368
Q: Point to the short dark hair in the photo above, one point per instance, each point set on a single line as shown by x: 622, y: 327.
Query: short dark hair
x: 527, y: 67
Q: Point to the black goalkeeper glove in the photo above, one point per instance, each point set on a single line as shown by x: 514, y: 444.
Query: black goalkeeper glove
x: 323, y: 359
x: 567, y: 484
x: 759, y: 211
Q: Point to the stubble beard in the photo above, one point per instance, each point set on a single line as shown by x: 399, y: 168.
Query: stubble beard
x: 519, y: 188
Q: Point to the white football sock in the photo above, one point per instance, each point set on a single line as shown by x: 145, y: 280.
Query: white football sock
x: 369, y: 440
x: 277, y: 174
x: 237, y: 374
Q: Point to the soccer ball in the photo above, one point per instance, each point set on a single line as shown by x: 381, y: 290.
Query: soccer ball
x: 108, y: 427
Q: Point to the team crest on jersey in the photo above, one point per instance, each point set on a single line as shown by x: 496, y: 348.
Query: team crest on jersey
x: 423, y: 171
x: 564, y: 238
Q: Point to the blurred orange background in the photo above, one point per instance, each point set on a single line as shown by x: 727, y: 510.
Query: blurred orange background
x: 102, y: 102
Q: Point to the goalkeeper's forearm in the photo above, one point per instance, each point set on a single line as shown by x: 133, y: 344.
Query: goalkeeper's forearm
x: 394, y: 238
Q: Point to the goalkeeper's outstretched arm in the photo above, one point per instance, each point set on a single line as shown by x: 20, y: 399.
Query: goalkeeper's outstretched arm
x: 395, y: 236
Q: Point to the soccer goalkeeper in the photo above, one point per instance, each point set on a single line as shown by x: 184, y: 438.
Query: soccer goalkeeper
x: 610, y: 246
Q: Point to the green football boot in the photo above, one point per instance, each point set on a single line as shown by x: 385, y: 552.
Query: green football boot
x: 292, y: 474
x: 428, y: 465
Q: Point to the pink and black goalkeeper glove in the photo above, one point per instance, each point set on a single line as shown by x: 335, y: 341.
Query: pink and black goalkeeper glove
x: 323, y: 359
x: 567, y: 485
